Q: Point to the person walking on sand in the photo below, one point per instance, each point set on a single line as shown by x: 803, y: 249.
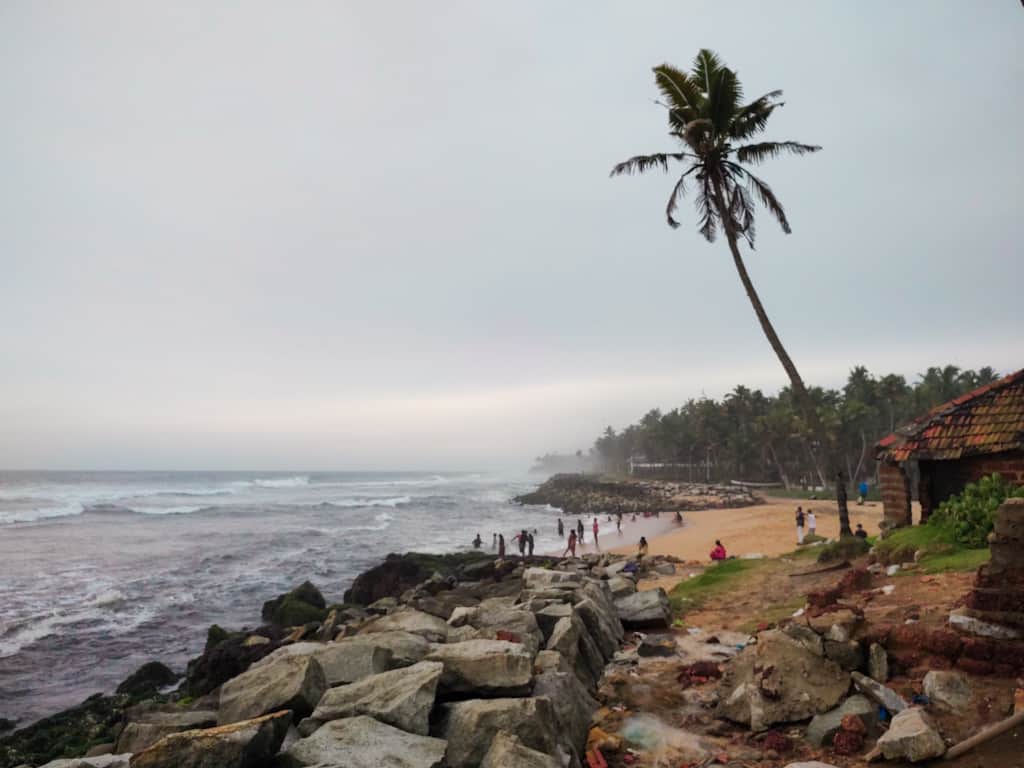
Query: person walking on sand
x: 571, y: 548
x: 718, y: 553
x: 579, y: 530
x: 529, y: 544
x: 561, y: 528
x: 596, y: 545
x: 799, y: 525
x: 812, y: 523
x: 501, y: 545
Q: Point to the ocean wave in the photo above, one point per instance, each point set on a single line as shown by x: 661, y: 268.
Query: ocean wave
x: 297, y: 481
x: 392, y: 502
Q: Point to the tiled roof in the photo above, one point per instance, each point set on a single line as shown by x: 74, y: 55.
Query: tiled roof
x: 988, y: 420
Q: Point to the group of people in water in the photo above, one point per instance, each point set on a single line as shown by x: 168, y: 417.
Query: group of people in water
x: 524, y: 538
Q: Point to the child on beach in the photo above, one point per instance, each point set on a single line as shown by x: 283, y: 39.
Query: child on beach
x: 799, y: 525
x: 641, y: 550
x: 571, y: 548
x: 596, y: 545
x: 812, y: 523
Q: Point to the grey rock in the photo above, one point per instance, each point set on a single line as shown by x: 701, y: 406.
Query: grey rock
x: 606, y: 635
x: 807, y: 637
x: 471, y: 726
x: 947, y: 690
x: 911, y: 736
x: 288, y: 682
x: 655, y: 645
x: 646, y: 609
x: 572, y: 704
x: 548, y: 616
x: 824, y: 726
x: 778, y: 680
x: 550, y: 661
x: 238, y: 745
x: 879, y: 693
x: 462, y: 614
x: 878, y: 663
x: 402, y: 698
x: 153, y: 726
x: 343, y: 661
x: 621, y: 586
x: 517, y: 621
x: 508, y: 751
x: 430, y: 627
x: 484, y: 667
x: 99, y: 761
x: 362, y: 742
x: 847, y: 654
x: 975, y: 626
x: 571, y: 639
x: 538, y: 578
x: 406, y: 648
x: 665, y: 569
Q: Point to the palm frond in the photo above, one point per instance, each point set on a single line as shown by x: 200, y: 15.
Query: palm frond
x: 684, y: 98
x: 706, y: 211
x: 644, y: 163
x: 768, y: 199
x: 758, y: 153
x: 705, y: 66
x: 679, y: 190
x: 752, y: 118
x: 723, y: 98
x: 741, y: 210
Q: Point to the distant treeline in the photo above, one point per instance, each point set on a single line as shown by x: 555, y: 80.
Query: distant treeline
x: 748, y: 435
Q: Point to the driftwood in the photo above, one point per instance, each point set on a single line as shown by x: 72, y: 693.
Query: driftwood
x: 826, y: 569
x: 986, y: 735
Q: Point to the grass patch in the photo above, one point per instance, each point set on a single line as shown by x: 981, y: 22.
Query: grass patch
x: 693, y: 593
x: 941, y: 552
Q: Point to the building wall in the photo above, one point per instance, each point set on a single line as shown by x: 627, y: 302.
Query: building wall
x: 895, y: 486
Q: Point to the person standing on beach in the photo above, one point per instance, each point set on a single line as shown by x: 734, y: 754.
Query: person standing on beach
x: 641, y: 550
x: 521, y: 536
x: 579, y: 530
x: 529, y: 544
x: 799, y: 525
x: 863, y: 489
x: 494, y: 541
x: 561, y: 528
x: 618, y: 523
x: 501, y: 545
x: 571, y: 548
x: 812, y: 523
x: 596, y: 545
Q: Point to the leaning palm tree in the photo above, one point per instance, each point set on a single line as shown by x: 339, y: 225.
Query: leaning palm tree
x: 716, y: 131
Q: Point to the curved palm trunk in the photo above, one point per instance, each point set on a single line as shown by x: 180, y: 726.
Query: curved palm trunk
x: 795, y: 380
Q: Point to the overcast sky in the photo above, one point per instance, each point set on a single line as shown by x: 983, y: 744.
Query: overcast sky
x: 348, y: 235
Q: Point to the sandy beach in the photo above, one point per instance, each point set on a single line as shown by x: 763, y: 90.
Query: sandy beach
x: 767, y: 528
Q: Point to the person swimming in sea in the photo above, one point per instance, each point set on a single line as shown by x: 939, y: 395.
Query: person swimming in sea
x: 477, y: 542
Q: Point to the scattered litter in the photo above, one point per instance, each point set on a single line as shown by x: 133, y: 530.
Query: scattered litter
x: 892, y: 570
x: 661, y: 740
x: 888, y: 589
x: 694, y: 631
x: 752, y: 556
x: 798, y: 612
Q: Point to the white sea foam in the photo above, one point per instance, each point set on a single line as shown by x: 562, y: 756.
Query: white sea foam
x: 297, y: 481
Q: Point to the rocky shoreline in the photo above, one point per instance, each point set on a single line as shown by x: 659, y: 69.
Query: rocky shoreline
x: 590, y: 495
x: 484, y: 661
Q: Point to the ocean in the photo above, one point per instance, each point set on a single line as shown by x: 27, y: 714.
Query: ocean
x: 101, y: 572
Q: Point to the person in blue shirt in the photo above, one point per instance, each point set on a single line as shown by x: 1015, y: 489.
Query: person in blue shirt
x: 863, y: 489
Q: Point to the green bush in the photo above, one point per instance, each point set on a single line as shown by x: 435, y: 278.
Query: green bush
x: 970, y: 516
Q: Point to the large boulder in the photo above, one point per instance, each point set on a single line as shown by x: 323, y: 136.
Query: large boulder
x: 484, y: 668
x: 643, y: 610
x: 911, y: 736
x: 432, y: 628
x: 362, y: 742
x: 824, y: 726
x: 153, y: 726
x: 402, y: 698
x: 246, y: 744
x: 947, y: 690
x: 227, y: 655
x: 572, y: 705
x: 539, y: 578
x: 343, y: 661
x: 148, y: 679
x: 878, y: 693
x: 571, y: 639
x: 471, y: 726
x: 549, y: 615
x: 507, y: 751
x: 102, y: 761
x: 778, y: 680
x: 294, y: 682
x: 406, y: 648
x: 300, y: 606
x: 400, y: 573
x: 606, y: 634
x: 502, y: 623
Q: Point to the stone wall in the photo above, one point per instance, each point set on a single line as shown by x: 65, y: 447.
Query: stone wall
x: 998, y: 594
x: 895, y: 485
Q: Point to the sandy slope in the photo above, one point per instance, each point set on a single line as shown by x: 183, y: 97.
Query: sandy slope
x: 768, y: 529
